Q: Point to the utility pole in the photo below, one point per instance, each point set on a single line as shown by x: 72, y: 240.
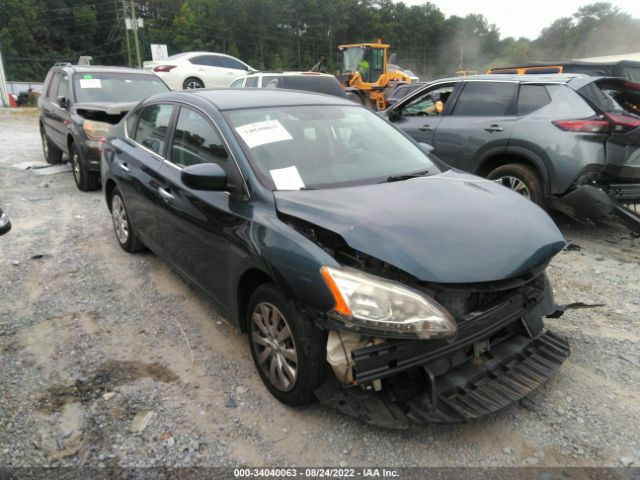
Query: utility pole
x: 4, y: 89
x: 126, y: 32
x: 134, y: 26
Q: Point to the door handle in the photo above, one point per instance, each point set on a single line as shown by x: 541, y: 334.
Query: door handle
x: 426, y: 128
x: 124, y: 168
x: 201, y: 69
x: 494, y: 128
x: 166, y: 196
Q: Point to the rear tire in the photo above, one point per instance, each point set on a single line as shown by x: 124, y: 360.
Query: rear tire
x: 125, y: 234
x: 85, y: 180
x: 522, y: 179
x: 192, y: 83
x: 52, y: 154
x: 288, y: 350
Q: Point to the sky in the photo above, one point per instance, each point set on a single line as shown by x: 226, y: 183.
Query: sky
x: 518, y: 18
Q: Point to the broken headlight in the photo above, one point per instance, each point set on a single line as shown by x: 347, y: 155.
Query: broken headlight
x: 385, y: 307
x: 95, y: 130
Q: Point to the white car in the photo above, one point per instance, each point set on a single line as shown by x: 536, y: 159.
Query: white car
x: 198, y: 70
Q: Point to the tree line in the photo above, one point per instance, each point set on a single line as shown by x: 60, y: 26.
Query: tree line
x: 293, y: 34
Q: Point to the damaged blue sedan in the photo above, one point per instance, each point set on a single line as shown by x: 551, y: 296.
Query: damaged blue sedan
x: 366, y: 273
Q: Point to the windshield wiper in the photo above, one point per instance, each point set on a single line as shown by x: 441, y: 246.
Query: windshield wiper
x: 407, y: 176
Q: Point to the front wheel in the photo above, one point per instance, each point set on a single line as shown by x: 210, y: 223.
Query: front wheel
x: 287, y: 348
x: 521, y: 179
x: 85, y: 180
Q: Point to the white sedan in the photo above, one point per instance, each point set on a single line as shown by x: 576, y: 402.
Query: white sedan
x: 198, y: 70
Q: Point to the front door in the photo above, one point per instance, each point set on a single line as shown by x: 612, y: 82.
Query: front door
x: 195, y: 223
x: 480, y: 123
x: 421, y: 115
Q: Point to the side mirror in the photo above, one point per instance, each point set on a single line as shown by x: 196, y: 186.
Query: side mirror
x: 5, y: 224
x: 62, y: 102
x: 426, y: 148
x: 204, y: 176
x: 394, y: 114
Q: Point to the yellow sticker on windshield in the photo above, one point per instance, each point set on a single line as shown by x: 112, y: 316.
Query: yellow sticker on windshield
x: 261, y: 133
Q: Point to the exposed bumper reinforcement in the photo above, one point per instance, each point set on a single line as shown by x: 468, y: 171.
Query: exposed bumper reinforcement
x: 515, y: 368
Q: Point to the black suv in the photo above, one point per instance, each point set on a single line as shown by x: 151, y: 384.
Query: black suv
x: 568, y: 142
x: 79, y: 104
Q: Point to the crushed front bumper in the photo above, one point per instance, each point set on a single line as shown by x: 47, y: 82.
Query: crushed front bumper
x: 514, y: 368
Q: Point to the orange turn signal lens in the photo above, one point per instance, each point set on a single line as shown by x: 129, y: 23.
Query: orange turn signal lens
x: 341, y: 304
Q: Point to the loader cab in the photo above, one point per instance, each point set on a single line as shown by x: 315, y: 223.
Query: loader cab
x: 368, y: 59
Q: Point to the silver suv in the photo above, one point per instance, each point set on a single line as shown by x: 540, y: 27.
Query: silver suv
x: 567, y: 142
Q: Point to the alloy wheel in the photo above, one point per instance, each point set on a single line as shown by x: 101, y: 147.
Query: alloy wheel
x: 274, y: 346
x: 193, y: 84
x: 514, y: 184
x: 75, y: 163
x: 45, y: 145
x: 120, y: 221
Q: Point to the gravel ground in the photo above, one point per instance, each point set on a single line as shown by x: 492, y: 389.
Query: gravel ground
x: 111, y: 359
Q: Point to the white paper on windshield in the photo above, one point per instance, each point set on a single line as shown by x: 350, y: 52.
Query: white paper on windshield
x: 287, y: 178
x: 90, y: 83
x: 261, y: 133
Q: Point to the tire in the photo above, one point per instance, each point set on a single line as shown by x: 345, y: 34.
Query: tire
x: 192, y: 83
x: 85, y: 180
x: 122, y: 227
x: 305, y: 347
x: 521, y: 178
x: 52, y: 154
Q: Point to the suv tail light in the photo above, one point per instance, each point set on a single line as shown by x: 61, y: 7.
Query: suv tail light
x: 622, y: 123
x: 631, y: 85
x: 164, y: 68
x: 583, y: 126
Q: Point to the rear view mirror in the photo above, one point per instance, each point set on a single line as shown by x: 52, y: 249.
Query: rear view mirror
x: 204, y: 176
x: 426, y: 148
x: 394, y: 115
x: 5, y: 224
x: 62, y: 102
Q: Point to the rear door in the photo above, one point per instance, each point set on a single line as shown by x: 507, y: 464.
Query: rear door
x: 479, y: 124
x: 57, y: 115
x: 137, y: 164
x: 421, y: 114
x: 194, y: 222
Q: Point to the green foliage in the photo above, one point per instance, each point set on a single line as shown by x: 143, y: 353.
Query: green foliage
x: 293, y: 34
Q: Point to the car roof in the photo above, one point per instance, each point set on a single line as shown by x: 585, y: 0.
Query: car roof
x: 526, y: 78
x: 239, y: 98
x: 104, y: 69
x: 290, y: 74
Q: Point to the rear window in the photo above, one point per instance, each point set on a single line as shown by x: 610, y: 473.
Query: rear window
x: 532, y: 98
x: 115, y: 87
x: 615, y: 96
x: 326, y: 85
x: 487, y: 99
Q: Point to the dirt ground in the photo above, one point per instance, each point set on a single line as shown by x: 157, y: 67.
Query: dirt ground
x: 111, y: 359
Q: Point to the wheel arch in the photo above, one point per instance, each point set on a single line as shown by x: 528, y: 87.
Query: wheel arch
x: 109, y: 187
x: 499, y: 157
x: 247, y: 283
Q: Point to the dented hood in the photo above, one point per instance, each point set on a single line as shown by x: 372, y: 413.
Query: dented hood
x: 446, y: 228
x: 109, y: 108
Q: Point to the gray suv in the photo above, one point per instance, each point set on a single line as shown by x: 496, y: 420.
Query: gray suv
x: 567, y: 142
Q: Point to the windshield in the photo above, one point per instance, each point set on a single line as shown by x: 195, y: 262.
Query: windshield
x: 314, y: 147
x: 115, y: 87
x: 352, y: 58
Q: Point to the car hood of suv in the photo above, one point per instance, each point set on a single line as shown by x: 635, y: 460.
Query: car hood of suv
x: 109, y: 108
x: 445, y: 228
